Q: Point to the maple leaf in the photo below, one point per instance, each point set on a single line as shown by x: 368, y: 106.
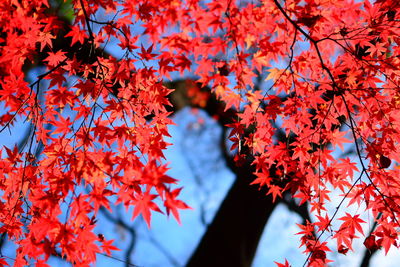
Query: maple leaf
x: 263, y: 179
x: 261, y: 60
x: 387, y: 238
x: 143, y: 205
x: 55, y: 58
x: 304, y: 196
x: 352, y: 223
x: 13, y: 155
x: 274, y: 74
x: 61, y: 96
x: 323, y: 222
x: 347, y: 166
x: 45, y: 39
x: 376, y: 49
x: 77, y: 34
x: 286, y: 264
x: 147, y: 54
x: 337, y: 138
x: 63, y: 125
x: 172, y: 204
x: 275, y: 191
x: 107, y: 247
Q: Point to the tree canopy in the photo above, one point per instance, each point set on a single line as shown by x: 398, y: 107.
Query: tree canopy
x: 330, y: 80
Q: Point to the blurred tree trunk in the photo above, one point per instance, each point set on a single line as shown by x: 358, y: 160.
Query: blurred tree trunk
x: 233, y: 236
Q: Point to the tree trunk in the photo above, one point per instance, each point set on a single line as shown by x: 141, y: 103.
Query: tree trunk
x: 232, y: 237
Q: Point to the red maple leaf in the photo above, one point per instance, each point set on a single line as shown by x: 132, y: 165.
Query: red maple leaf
x: 107, y: 247
x: 147, y: 54
x: 286, y: 264
x: 352, y: 223
x: 77, y: 34
x: 143, y: 205
x: 55, y: 58
x: 172, y: 204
